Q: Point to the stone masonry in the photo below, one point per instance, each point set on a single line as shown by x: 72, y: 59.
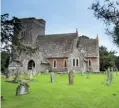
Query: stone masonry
x: 56, y: 52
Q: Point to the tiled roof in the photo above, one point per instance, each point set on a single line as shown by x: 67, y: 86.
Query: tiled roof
x: 56, y: 45
x: 89, y: 45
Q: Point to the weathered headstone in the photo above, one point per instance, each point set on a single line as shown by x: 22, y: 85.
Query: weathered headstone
x: 33, y: 71
x: 47, y: 71
x: 109, y: 78
x: 71, y: 77
x: 2, y: 99
x: 31, y: 75
x: 22, y: 89
x: 89, y: 71
x: 52, y: 76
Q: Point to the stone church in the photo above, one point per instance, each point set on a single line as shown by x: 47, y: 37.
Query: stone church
x: 56, y: 52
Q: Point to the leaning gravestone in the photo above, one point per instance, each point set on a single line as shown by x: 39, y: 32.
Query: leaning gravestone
x: 22, y: 89
x: 71, y: 77
x: 52, y: 76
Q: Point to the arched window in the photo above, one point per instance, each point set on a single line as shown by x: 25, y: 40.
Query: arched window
x: 22, y: 34
x: 54, y: 63
x: 89, y: 62
x: 65, y: 63
x: 77, y: 62
x: 30, y: 34
x: 31, y: 65
x: 73, y: 62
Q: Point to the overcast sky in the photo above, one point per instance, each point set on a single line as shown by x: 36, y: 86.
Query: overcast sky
x: 61, y: 16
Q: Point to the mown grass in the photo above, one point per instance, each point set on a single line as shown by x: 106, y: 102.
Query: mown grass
x: 85, y: 93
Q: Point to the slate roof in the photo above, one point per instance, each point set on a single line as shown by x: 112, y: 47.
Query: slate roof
x: 56, y: 45
x: 90, y: 45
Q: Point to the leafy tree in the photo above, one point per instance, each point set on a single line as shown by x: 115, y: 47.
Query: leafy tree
x: 107, y: 58
x: 11, y: 43
x: 4, y: 61
x: 9, y: 29
x: 109, y: 14
x: 117, y: 62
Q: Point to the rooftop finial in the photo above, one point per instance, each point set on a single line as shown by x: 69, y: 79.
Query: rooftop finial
x: 97, y: 37
x: 77, y: 31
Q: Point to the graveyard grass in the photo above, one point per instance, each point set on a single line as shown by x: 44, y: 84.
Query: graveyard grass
x: 85, y: 93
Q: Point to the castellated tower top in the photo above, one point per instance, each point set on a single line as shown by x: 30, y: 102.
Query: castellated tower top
x: 33, y: 20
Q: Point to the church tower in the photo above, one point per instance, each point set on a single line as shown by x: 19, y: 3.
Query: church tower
x: 31, y: 28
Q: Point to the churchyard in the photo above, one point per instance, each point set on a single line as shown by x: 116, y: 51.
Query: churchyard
x: 45, y: 91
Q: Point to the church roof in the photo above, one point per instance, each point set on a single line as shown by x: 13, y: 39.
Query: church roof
x: 89, y: 45
x: 56, y: 45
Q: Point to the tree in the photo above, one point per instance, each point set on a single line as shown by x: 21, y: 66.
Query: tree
x: 4, y: 61
x: 9, y: 29
x: 107, y: 58
x: 11, y: 43
x: 117, y: 62
x: 109, y: 14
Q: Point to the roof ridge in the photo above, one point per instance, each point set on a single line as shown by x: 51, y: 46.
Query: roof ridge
x: 27, y: 18
x: 60, y: 34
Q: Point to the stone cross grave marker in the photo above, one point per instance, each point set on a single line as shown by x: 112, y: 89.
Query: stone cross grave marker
x: 22, y: 89
x: 52, y: 76
x: 71, y: 77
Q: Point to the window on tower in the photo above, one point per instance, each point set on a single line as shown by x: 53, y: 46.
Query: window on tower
x: 77, y: 62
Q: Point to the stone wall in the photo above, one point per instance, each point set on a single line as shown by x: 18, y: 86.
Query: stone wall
x: 82, y: 52
x: 37, y: 58
x: 94, y: 64
x: 74, y: 55
x: 59, y: 64
x: 62, y: 46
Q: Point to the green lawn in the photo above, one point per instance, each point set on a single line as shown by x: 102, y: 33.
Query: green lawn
x: 85, y: 93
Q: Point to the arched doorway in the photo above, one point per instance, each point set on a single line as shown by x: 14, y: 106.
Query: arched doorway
x: 31, y: 64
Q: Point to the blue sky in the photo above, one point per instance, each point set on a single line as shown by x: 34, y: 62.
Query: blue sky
x: 61, y: 16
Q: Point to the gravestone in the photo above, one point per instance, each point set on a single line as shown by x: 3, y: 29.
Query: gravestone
x: 22, y: 89
x: 109, y: 78
x: 52, y: 76
x: 71, y: 77
x: 89, y: 71
x: 2, y: 99
x: 34, y: 71
x: 31, y: 75
x: 47, y: 71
